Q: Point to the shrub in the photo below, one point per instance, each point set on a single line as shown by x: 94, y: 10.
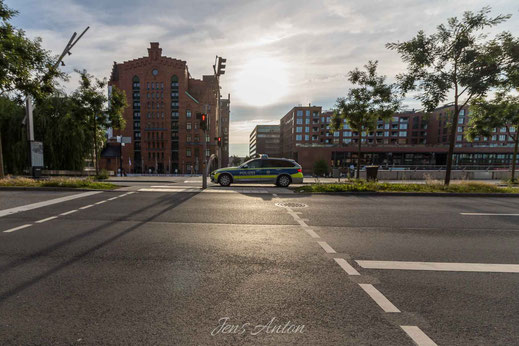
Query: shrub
x: 320, y: 168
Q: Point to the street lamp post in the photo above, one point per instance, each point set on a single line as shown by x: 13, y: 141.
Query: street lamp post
x: 219, y: 69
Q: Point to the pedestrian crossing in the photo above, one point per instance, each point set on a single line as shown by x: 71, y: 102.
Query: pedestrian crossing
x: 242, y: 190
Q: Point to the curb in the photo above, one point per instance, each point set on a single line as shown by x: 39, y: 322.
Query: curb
x: 413, y: 194
x: 51, y: 188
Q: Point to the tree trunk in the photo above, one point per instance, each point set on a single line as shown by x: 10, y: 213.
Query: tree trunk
x: 1, y: 158
x: 452, y: 141
x: 95, y: 146
x: 514, y: 157
x: 358, y: 155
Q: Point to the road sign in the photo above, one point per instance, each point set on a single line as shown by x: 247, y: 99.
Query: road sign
x: 36, y: 154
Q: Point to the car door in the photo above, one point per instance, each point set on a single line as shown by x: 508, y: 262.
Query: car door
x: 249, y: 171
x: 270, y: 170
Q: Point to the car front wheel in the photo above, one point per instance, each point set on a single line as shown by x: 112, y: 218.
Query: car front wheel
x: 225, y: 180
x: 283, y: 181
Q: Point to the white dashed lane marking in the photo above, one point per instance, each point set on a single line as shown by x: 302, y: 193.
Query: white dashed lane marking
x: 346, y: 266
x: 45, y: 203
x: 47, y: 219
x: 379, y: 298
x: 17, y: 228
x: 54, y: 201
x: 326, y: 247
x: 68, y: 212
x: 418, y: 336
x: 487, y: 214
x: 441, y: 266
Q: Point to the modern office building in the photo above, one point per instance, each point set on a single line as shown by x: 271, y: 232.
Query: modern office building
x: 161, y: 121
x: 264, y: 139
x: 410, y: 139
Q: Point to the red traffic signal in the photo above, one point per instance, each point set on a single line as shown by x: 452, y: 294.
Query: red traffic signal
x: 219, y: 141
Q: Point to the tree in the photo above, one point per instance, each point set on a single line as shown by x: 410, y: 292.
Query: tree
x: 501, y: 112
x: 365, y: 104
x: 320, y: 168
x: 455, y: 60
x: 235, y: 160
x: 91, y: 106
x: 25, y: 67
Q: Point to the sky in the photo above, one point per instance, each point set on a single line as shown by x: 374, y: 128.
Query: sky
x: 279, y: 53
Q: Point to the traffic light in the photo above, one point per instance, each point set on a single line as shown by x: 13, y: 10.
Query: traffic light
x: 202, y: 118
x: 219, y: 141
x: 221, y: 65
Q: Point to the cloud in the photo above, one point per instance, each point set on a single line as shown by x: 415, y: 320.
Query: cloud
x: 319, y: 41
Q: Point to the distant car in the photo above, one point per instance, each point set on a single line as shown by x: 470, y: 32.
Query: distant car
x: 281, y: 172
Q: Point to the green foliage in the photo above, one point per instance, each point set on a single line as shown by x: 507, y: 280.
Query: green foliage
x: 235, y: 161
x: 13, y: 135
x: 80, y: 183
x: 457, y: 60
x: 371, y: 100
x: 103, y: 175
x: 363, y: 186
x: 25, y: 67
x: 321, y: 168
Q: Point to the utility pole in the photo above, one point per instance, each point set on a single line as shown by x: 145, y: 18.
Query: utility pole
x: 219, y: 69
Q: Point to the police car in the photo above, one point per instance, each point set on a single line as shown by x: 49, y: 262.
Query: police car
x: 281, y: 172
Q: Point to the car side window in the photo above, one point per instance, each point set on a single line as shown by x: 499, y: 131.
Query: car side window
x: 268, y: 163
x: 254, y: 164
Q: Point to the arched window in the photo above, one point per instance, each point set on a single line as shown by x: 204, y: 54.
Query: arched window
x: 174, y: 81
x: 136, y: 83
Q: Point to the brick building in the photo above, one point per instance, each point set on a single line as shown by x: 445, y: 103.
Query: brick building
x: 265, y: 139
x: 411, y: 139
x: 163, y: 102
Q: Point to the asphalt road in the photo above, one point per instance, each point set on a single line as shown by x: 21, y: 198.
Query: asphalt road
x: 232, y: 267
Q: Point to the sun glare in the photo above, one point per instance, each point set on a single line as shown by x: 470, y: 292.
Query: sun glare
x: 261, y: 81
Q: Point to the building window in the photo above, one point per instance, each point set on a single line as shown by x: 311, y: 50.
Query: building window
x: 299, y: 137
x: 299, y: 121
x: 460, y: 129
x: 188, y: 126
x: 188, y: 114
x: 459, y: 138
x: 307, y: 112
x: 299, y: 129
x: 502, y: 138
x: 188, y: 152
x: 207, y: 153
x: 136, y: 83
x: 188, y: 138
x: 307, y: 129
x: 403, y: 126
x: 307, y: 121
x: 174, y: 82
x: 307, y: 137
x: 402, y: 133
x: 174, y: 114
x: 299, y: 113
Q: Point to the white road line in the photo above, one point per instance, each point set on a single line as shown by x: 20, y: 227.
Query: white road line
x: 418, y: 336
x: 301, y: 222
x: 326, y: 247
x: 47, y: 219
x: 111, y: 199
x: 87, y: 206
x: 100, y: 202
x: 441, y: 266
x: 17, y: 228
x: 346, y: 266
x: 131, y: 193
x: 275, y: 194
x: 188, y: 189
x: 379, y: 298
x: 46, y: 203
x: 69, y: 212
x: 311, y: 232
x: 488, y: 214
x: 162, y: 186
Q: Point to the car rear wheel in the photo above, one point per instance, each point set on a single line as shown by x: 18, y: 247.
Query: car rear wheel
x: 224, y: 180
x: 283, y: 181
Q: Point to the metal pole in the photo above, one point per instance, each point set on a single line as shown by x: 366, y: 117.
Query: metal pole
x: 204, y: 148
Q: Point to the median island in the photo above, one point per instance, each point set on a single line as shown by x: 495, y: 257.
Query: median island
x: 429, y: 187
x: 61, y: 182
